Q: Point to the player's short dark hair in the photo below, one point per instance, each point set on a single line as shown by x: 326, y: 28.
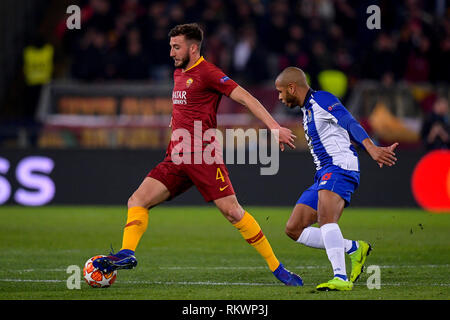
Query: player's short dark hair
x: 191, y: 31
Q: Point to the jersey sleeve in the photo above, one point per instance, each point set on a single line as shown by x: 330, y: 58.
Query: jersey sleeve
x: 342, y: 117
x: 219, y: 81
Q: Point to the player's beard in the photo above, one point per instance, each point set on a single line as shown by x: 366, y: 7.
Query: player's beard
x: 183, y: 63
x: 291, y: 101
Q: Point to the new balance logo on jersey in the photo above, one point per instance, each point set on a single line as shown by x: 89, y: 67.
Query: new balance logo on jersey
x: 330, y: 108
x: 179, y: 97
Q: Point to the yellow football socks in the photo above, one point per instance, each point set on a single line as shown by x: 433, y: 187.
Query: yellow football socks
x: 137, y: 222
x: 252, y: 233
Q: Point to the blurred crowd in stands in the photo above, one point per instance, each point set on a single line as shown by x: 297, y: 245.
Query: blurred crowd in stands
x: 253, y: 40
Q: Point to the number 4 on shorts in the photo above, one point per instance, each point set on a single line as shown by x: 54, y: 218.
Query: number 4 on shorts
x: 219, y: 175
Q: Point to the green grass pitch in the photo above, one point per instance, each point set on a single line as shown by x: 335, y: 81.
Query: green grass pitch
x: 194, y: 253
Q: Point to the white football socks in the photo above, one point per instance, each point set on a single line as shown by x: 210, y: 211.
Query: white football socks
x: 334, y: 246
x: 312, y: 237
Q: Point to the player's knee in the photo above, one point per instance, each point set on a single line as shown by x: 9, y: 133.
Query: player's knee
x: 136, y: 201
x: 293, y: 231
x: 131, y: 202
x: 230, y: 208
x: 233, y: 213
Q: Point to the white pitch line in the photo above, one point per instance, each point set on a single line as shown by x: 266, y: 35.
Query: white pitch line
x: 239, y: 268
x: 301, y: 267
x: 31, y: 280
x: 36, y: 270
x: 416, y: 266
x: 208, y: 283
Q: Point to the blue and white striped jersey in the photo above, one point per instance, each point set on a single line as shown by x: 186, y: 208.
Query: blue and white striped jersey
x: 328, y: 129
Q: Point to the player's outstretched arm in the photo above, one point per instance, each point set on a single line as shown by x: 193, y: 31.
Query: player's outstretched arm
x: 382, y: 155
x: 243, y: 97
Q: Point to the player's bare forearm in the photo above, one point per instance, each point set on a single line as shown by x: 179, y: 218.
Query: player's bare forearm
x: 242, y: 96
x: 382, y: 155
x: 285, y: 135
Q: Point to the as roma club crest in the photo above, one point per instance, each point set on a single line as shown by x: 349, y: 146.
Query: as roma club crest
x: 189, y: 82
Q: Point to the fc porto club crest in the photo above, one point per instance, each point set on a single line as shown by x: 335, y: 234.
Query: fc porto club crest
x: 189, y: 82
x: 309, y: 115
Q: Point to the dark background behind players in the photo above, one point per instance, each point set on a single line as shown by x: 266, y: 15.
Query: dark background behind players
x: 251, y: 40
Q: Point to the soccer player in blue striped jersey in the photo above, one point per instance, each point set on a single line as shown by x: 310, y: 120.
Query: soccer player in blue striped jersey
x: 329, y: 129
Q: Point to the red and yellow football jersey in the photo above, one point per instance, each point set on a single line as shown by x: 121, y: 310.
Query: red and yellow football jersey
x: 196, y: 96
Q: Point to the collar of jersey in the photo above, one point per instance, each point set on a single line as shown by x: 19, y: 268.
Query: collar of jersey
x: 308, y: 95
x: 195, y: 64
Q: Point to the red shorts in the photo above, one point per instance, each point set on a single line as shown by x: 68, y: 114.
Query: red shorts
x: 211, y: 180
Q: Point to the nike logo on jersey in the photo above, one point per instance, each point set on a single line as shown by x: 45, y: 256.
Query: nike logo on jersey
x: 223, y: 188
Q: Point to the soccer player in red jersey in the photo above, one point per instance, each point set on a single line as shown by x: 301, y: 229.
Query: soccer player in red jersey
x: 198, y: 89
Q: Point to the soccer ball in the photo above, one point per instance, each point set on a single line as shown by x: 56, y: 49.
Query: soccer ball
x: 96, y: 278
